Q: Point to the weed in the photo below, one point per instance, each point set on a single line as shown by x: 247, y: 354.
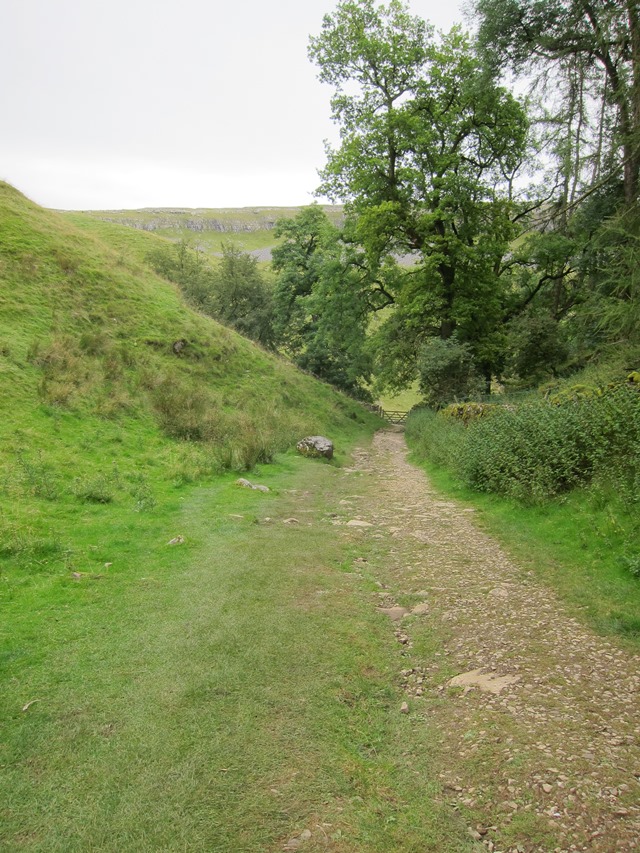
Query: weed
x: 18, y: 541
x: 94, y: 343
x: 98, y: 489
x: 631, y: 563
x: 537, y: 450
x: 39, y: 479
x: 143, y: 495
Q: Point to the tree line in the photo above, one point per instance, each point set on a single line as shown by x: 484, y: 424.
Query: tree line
x: 487, y: 234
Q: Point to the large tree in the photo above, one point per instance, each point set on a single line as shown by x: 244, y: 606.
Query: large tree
x: 430, y: 148
x: 582, y: 58
x: 591, y: 50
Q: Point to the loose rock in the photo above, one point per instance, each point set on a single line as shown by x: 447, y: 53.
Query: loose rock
x: 247, y: 484
x: 316, y: 446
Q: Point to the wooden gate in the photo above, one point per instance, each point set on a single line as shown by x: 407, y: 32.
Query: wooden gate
x: 394, y: 417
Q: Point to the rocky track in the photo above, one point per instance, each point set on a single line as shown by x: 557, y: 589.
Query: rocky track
x: 538, y: 717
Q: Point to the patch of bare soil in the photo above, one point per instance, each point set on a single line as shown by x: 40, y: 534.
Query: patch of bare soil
x: 538, y: 717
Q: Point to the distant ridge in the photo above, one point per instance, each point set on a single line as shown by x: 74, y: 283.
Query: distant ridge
x: 250, y: 228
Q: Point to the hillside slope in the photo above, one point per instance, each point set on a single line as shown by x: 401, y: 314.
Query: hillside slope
x: 115, y: 390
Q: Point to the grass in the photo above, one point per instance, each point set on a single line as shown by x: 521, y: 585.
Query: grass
x: 404, y: 401
x: 226, y: 693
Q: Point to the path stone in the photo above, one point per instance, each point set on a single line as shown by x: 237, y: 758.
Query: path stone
x: 489, y: 682
x: 316, y: 446
x: 247, y: 484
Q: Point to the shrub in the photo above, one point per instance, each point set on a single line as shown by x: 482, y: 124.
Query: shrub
x: 468, y: 412
x: 441, y: 440
x: 186, y: 409
x: 37, y: 477
x: 99, y: 489
x: 538, y: 345
x: 540, y: 450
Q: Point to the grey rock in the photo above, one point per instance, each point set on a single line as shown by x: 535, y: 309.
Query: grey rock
x: 247, y: 484
x: 316, y: 446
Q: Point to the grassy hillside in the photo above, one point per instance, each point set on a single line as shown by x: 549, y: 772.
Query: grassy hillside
x: 250, y: 229
x: 101, y: 418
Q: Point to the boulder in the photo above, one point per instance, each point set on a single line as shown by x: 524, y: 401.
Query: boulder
x: 316, y: 446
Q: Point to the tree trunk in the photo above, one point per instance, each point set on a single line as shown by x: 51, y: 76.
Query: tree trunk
x: 631, y: 180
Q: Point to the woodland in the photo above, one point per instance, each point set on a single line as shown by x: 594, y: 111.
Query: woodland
x: 490, y: 188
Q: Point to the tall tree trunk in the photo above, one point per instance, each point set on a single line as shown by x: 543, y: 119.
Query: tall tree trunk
x: 634, y: 131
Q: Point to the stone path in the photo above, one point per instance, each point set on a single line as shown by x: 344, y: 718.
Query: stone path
x: 538, y: 717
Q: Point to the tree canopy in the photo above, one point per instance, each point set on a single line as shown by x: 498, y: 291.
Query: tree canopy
x: 430, y: 147
x: 485, y: 234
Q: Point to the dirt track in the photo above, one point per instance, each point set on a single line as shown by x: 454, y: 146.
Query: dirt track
x: 541, y: 735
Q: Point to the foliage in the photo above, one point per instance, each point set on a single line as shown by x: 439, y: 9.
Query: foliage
x: 469, y: 412
x: 615, y: 307
x: 539, y: 450
x: 233, y: 292
x: 430, y: 146
x: 431, y: 166
x: 320, y: 302
x: 440, y: 440
x: 241, y: 297
x: 537, y: 345
x: 446, y: 371
x: 582, y: 63
x: 594, y: 48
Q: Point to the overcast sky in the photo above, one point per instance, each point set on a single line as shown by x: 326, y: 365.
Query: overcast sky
x: 143, y: 103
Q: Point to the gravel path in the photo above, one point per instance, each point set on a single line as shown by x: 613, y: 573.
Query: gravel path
x: 540, y: 729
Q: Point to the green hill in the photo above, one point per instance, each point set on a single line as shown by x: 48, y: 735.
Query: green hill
x: 185, y: 664
x: 116, y: 394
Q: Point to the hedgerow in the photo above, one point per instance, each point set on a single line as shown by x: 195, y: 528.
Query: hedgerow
x: 542, y: 449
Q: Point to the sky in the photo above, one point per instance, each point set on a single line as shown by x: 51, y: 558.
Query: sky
x: 117, y: 104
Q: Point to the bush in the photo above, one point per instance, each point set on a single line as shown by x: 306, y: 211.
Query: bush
x: 540, y: 449
x: 99, y: 489
x: 468, y: 412
x: 234, y: 292
x: 440, y: 440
